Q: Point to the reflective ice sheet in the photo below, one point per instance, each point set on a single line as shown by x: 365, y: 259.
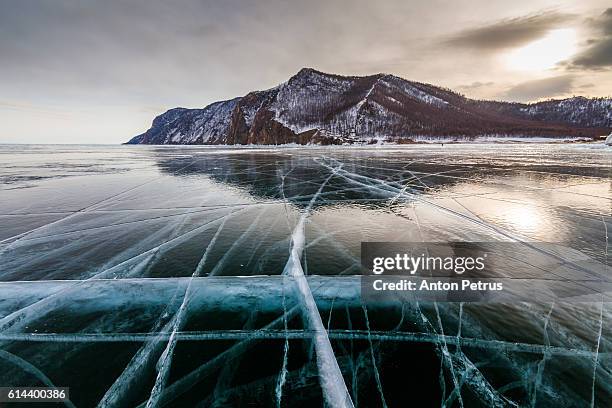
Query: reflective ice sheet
x: 171, y: 275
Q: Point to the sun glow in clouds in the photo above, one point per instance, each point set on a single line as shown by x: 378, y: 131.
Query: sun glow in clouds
x: 545, y: 53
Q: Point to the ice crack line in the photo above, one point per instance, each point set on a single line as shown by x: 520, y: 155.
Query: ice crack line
x: 282, y: 378
x: 387, y: 189
x: 330, y: 377
x: 21, y: 317
x: 596, y: 358
x: 165, y: 360
x: 12, y: 241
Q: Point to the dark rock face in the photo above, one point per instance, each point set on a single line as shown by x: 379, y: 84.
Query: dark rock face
x: 314, y: 107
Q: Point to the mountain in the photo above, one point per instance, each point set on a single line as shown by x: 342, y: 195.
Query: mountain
x: 315, y: 107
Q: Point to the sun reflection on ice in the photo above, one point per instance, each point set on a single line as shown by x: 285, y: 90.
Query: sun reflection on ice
x: 525, y: 218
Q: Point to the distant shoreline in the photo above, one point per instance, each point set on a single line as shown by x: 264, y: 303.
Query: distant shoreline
x: 473, y: 141
x: 509, y: 141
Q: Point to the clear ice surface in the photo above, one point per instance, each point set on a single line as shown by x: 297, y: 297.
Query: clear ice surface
x: 214, y: 276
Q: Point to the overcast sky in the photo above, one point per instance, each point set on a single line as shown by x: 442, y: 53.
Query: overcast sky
x: 99, y: 71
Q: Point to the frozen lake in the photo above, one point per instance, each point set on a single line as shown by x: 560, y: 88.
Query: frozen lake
x: 168, y: 275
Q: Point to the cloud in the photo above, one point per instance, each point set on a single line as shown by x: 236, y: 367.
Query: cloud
x: 509, y: 33
x: 540, y: 89
x: 604, y: 22
x: 598, y: 54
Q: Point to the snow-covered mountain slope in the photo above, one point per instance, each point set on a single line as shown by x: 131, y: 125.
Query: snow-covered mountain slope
x: 315, y: 107
x: 596, y: 112
x: 190, y: 126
